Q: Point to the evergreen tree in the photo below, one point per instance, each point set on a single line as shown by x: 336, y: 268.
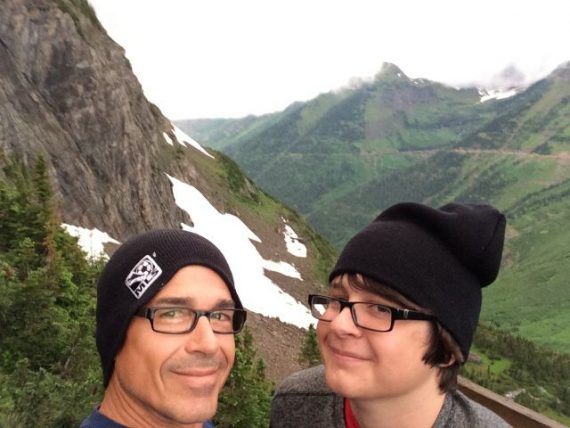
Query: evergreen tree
x: 246, y: 399
x: 309, y: 355
x: 542, y: 374
x: 49, y: 370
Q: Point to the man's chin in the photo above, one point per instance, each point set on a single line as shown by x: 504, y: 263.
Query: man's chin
x: 198, y: 410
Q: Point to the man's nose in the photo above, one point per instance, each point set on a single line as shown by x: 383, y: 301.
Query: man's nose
x: 202, y: 338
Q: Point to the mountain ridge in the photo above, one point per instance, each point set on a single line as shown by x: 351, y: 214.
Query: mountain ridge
x: 397, y: 140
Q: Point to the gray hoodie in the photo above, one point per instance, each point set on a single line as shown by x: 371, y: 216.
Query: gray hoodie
x: 303, y: 400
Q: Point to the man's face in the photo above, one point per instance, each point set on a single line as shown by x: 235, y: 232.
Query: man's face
x: 175, y: 379
x: 363, y: 364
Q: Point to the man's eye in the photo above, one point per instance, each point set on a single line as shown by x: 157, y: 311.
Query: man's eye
x: 174, y: 313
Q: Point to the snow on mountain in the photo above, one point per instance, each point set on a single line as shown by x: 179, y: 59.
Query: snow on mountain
x: 184, y: 139
x: 294, y: 245
x: 90, y: 240
x: 168, y: 139
x: 497, y: 94
x: 283, y: 268
x: 257, y: 292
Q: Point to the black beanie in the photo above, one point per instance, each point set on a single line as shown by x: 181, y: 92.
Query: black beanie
x: 137, y: 271
x: 437, y: 258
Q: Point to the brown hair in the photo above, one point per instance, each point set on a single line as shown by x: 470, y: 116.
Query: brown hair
x: 443, y: 351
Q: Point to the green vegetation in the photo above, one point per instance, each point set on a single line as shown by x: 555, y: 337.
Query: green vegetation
x: 309, y: 354
x: 536, y: 377
x: 49, y: 368
x: 258, y: 209
x: 343, y: 157
x: 246, y: 398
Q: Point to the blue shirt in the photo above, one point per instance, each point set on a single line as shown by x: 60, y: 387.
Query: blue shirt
x: 98, y: 420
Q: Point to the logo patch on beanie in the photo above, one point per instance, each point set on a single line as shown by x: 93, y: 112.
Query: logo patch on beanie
x: 145, y: 272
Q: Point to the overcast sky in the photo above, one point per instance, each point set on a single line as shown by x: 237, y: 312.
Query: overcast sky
x: 213, y: 58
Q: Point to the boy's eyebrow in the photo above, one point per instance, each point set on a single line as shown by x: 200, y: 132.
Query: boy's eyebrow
x: 337, y: 286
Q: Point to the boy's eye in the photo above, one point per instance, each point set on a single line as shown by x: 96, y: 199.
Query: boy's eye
x: 220, y: 316
x: 379, y: 308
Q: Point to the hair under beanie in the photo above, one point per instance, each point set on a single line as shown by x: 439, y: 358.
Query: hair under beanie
x: 137, y: 271
x: 438, y: 258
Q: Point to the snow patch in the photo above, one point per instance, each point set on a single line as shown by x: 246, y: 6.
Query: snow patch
x: 184, y: 139
x: 90, y: 240
x: 257, y: 292
x: 497, y: 94
x: 168, y: 139
x: 283, y: 268
x: 294, y: 244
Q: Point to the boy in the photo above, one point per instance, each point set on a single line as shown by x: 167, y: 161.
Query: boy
x: 398, y: 322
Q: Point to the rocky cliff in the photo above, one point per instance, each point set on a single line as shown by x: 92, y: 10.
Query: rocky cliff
x: 68, y: 93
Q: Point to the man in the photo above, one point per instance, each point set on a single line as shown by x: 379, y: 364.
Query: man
x: 167, y: 312
x: 398, y: 322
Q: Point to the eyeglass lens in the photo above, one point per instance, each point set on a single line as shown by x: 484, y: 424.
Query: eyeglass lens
x: 367, y: 315
x: 179, y: 320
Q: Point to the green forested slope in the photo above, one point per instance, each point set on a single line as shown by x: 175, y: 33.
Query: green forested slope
x: 49, y: 365
x: 343, y: 157
x: 538, y: 120
x: 313, y: 151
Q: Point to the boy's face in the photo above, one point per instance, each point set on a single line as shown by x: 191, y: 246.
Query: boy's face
x: 171, y: 379
x: 363, y: 364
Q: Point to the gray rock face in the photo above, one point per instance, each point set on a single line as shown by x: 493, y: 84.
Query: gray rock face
x: 68, y: 92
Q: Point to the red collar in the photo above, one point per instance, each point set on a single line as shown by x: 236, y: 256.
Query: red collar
x: 349, y: 418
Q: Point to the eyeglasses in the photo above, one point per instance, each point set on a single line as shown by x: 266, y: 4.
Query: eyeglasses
x: 367, y: 315
x: 179, y: 320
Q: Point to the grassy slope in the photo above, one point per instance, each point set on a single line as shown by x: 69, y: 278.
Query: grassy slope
x: 239, y: 195
x: 341, y: 158
x: 332, y: 144
x: 533, y: 298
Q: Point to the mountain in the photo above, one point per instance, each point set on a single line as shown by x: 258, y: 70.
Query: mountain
x: 534, y: 121
x: 68, y: 95
x: 333, y: 144
x: 348, y: 154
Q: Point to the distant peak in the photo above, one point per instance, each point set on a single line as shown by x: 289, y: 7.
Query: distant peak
x: 390, y: 71
x: 510, y: 77
x: 562, y: 72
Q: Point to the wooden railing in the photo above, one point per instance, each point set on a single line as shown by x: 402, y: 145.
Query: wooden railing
x: 515, y: 414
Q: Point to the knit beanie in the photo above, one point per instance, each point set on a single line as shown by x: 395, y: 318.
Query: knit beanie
x: 437, y: 258
x: 137, y: 271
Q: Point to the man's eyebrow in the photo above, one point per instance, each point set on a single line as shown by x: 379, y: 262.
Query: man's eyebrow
x: 178, y: 301
x: 190, y: 302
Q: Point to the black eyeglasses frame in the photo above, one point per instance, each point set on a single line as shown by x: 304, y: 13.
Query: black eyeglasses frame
x: 396, y: 313
x: 148, y: 313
